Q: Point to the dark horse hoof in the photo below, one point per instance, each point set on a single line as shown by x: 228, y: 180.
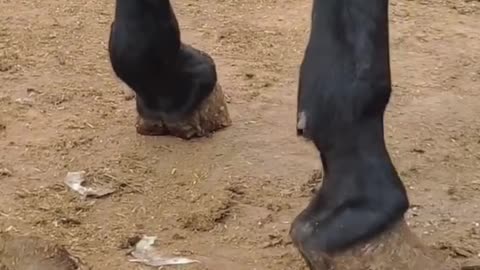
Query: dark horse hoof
x: 212, y: 115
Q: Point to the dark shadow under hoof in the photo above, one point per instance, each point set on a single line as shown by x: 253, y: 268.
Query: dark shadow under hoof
x: 212, y: 115
x: 33, y: 253
x: 396, y: 249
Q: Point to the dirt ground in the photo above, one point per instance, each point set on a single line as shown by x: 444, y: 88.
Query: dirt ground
x: 228, y: 199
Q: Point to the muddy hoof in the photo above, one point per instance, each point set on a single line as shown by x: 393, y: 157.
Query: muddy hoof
x: 397, y: 249
x: 211, y: 116
x: 32, y: 253
x: 150, y: 128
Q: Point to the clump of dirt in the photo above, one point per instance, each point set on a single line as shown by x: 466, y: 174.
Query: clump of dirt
x: 213, y: 212
x: 7, y: 61
x: 473, y: 264
x: 465, y: 7
x: 455, y: 250
x: 278, y: 206
x: 130, y: 242
x: 4, y: 172
x: 23, y: 252
x: 53, y: 204
x: 288, y: 260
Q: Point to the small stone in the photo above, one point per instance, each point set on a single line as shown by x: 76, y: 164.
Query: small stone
x: 178, y: 237
x: 5, y: 172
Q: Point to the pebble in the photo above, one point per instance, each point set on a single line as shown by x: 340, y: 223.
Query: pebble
x: 5, y: 172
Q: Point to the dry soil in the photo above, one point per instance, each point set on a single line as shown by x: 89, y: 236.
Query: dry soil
x: 228, y: 199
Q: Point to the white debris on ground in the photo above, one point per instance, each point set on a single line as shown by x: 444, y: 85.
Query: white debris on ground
x: 147, y: 253
x: 74, y: 181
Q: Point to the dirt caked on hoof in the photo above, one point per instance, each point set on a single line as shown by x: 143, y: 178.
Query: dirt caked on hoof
x: 150, y: 127
x: 33, y: 253
x: 212, y: 115
x: 396, y: 249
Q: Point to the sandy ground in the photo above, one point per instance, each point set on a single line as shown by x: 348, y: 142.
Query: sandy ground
x: 228, y: 199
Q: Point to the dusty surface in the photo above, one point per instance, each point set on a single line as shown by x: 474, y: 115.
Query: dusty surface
x: 227, y: 199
